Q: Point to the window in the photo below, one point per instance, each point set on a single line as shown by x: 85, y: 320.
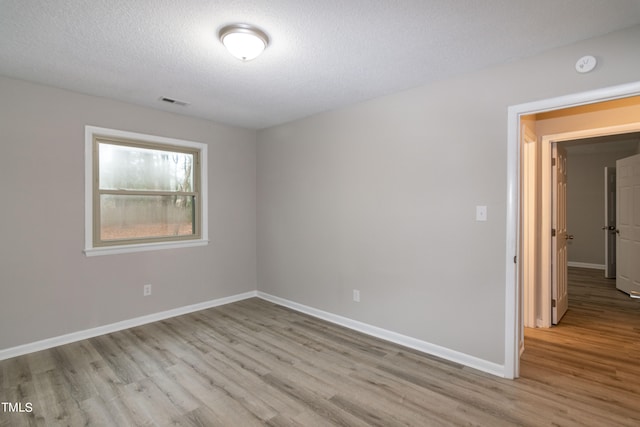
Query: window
x: 143, y: 192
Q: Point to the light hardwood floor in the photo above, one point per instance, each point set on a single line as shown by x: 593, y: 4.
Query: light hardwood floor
x: 255, y: 363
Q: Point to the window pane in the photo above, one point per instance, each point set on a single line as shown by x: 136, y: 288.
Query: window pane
x: 133, y: 168
x: 136, y: 217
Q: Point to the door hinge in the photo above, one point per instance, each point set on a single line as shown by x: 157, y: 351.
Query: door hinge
x: 553, y: 161
x: 553, y: 303
x: 553, y: 232
x: 515, y: 259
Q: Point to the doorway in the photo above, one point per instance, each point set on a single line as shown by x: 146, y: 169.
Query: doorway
x: 514, y: 324
x: 591, y: 199
x: 546, y: 234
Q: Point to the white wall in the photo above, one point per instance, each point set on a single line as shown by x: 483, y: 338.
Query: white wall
x: 47, y: 285
x: 381, y: 197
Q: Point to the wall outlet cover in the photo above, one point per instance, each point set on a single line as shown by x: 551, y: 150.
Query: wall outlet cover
x: 481, y: 213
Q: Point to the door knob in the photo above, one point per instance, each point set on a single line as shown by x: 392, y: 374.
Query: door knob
x: 569, y: 237
x: 610, y: 227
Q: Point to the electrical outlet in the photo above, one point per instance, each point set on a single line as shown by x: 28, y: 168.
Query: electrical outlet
x: 356, y: 295
x: 147, y: 290
x: 481, y: 213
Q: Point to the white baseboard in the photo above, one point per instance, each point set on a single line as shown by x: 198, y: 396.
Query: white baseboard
x: 423, y: 346
x: 586, y: 265
x: 118, y: 326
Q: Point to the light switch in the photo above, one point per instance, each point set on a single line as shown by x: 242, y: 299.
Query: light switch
x: 481, y: 213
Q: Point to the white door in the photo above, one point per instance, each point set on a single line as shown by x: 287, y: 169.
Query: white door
x: 609, y: 222
x: 628, y: 223
x: 559, y: 236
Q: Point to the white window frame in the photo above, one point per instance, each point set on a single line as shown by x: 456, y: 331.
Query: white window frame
x: 92, y: 250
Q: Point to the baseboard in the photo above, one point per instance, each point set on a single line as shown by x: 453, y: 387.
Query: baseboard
x: 118, y: 326
x: 423, y: 346
x: 586, y: 265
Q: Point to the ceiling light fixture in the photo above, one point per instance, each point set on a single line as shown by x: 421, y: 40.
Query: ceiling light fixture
x: 243, y: 41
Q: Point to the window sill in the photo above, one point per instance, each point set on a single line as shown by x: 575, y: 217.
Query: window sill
x: 143, y: 247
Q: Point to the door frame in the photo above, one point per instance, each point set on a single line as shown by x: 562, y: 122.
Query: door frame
x: 547, y: 194
x: 529, y: 226
x: 513, y: 269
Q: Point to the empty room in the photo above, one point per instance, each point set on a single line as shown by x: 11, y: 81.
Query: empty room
x: 237, y: 213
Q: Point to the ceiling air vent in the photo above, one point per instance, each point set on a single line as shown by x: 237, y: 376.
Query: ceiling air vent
x: 174, y: 101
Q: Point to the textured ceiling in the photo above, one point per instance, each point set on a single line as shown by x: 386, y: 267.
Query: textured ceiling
x: 323, y: 54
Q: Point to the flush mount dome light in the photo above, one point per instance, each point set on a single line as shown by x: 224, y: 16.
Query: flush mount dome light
x: 243, y: 41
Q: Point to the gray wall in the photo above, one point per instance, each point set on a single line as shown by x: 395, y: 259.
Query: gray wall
x: 47, y: 285
x: 381, y: 197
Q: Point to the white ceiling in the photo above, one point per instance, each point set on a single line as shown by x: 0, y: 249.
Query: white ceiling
x: 323, y: 55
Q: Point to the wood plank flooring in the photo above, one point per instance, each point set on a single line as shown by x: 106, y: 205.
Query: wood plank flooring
x: 255, y: 363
